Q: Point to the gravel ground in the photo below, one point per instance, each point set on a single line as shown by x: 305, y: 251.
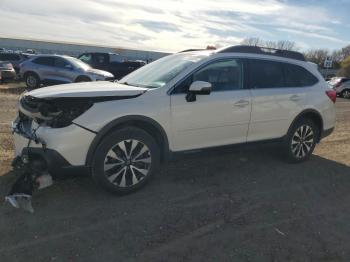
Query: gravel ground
x: 246, y: 205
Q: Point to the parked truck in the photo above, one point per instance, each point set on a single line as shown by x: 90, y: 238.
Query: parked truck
x: 111, y: 62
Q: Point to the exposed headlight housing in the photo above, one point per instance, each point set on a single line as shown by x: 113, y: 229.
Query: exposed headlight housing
x: 55, y: 112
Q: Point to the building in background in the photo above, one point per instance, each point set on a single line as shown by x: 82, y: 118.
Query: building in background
x: 74, y: 49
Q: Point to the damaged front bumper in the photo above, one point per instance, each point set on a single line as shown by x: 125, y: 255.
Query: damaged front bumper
x: 39, y: 157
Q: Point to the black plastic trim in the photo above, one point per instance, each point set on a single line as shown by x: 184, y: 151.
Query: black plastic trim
x: 56, y: 163
x: 326, y: 132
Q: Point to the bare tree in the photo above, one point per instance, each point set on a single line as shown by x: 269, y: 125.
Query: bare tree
x: 317, y: 56
x: 252, y: 41
x: 282, y: 44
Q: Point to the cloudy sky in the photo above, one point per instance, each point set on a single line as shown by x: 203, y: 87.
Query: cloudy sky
x: 173, y: 25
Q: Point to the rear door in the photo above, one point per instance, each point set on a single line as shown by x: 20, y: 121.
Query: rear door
x: 278, y: 93
x: 44, y: 67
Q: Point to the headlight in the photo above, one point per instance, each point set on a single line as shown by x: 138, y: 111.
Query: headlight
x: 56, y: 112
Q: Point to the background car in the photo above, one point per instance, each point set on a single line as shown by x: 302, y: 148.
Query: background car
x: 13, y: 58
x: 341, y: 85
x: 7, y: 72
x: 111, y: 62
x: 58, y: 69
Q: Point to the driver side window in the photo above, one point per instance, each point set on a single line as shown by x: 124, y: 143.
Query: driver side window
x: 224, y: 75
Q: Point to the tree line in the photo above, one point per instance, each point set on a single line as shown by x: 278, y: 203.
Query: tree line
x: 341, y: 57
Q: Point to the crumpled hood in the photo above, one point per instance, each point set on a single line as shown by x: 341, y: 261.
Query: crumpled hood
x: 87, y: 89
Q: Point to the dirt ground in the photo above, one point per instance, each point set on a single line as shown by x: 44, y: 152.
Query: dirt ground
x: 246, y: 205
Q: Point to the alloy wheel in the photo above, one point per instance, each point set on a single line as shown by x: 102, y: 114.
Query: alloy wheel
x: 302, y: 141
x: 127, y: 163
x: 31, y: 81
x: 346, y: 94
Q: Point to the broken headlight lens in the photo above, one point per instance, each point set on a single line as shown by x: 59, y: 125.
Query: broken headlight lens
x: 56, y: 112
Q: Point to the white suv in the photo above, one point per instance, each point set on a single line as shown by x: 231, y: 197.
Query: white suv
x: 120, y: 132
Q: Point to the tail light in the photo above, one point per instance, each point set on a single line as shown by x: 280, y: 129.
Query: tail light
x: 332, y: 95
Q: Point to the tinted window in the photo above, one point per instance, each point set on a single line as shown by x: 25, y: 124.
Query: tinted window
x: 223, y: 76
x: 101, y: 59
x: 59, y: 62
x: 9, y: 57
x: 266, y: 74
x: 86, y: 58
x: 48, y: 61
x: 297, y: 76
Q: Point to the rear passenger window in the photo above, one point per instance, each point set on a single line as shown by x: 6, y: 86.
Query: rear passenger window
x: 297, y: 76
x: 266, y: 74
x: 48, y: 61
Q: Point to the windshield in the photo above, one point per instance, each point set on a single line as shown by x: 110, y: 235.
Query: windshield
x: 78, y: 63
x: 160, y: 72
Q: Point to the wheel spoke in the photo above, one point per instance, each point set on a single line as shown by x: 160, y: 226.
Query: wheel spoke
x: 141, y: 170
x: 144, y: 160
x: 123, y: 148
x: 113, y: 177
x: 307, y: 147
x: 111, y: 154
x: 134, y: 177
x: 134, y: 143
x: 143, y: 150
x: 123, y: 181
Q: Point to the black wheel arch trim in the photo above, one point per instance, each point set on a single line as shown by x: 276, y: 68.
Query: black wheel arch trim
x: 120, y: 122
x: 303, y: 114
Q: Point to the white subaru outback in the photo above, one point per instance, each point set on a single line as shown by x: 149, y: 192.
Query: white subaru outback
x: 121, y: 131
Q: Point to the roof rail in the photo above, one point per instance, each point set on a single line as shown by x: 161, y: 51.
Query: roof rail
x: 263, y: 51
x: 191, y: 50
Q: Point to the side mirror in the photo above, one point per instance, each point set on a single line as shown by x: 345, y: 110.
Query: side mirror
x: 198, y: 88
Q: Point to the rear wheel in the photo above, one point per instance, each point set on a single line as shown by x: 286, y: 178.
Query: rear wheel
x: 346, y: 93
x: 32, y: 80
x: 301, y: 140
x: 125, y: 160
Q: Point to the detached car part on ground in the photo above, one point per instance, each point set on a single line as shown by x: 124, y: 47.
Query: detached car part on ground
x: 120, y: 132
x: 58, y: 69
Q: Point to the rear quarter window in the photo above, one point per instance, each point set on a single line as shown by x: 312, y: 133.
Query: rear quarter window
x: 297, y: 76
x: 47, y: 61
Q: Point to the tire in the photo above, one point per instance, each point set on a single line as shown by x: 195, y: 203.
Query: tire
x: 125, y: 160
x: 345, y: 93
x: 82, y: 79
x: 301, y: 140
x: 32, y: 81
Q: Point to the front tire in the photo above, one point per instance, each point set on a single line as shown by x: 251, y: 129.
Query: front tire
x: 301, y: 140
x: 125, y: 160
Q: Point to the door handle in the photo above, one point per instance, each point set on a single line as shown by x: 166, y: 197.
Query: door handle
x: 241, y: 103
x: 295, y: 98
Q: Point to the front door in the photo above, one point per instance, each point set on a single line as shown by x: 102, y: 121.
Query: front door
x: 220, y: 118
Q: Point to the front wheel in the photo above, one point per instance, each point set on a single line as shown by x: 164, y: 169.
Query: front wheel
x: 125, y: 160
x: 301, y: 140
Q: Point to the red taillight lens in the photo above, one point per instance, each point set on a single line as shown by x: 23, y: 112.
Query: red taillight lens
x: 332, y: 95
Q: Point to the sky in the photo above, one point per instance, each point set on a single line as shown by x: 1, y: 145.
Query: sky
x: 174, y: 25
